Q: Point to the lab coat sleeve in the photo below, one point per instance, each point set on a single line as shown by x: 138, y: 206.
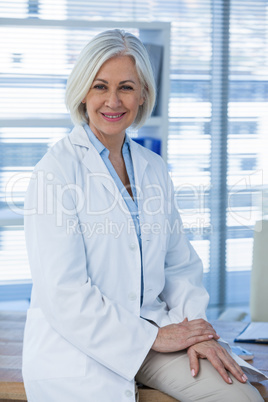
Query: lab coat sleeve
x: 184, y: 292
x: 74, y: 307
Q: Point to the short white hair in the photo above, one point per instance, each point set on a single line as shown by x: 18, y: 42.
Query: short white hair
x: 101, y: 48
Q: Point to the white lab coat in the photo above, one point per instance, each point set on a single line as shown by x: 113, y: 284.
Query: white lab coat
x: 84, y: 337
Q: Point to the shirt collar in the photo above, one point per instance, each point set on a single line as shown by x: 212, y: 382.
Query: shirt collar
x: 94, y: 140
x: 99, y: 145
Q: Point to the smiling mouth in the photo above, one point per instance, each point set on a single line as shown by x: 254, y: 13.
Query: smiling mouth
x: 113, y: 116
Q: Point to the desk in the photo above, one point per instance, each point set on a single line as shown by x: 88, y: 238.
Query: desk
x: 228, y: 331
x: 11, y: 336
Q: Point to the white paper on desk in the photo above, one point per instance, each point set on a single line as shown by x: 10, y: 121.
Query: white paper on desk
x: 254, y: 331
x: 253, y: 374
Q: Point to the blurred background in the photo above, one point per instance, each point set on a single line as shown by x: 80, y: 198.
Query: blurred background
x: 216, y: 137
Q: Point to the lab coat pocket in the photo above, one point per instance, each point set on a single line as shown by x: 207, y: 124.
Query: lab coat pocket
x: 46, y: 354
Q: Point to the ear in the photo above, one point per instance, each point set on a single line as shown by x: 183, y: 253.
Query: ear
x: 143, y: 95
x: 84, y: 100
x: 142, y: 100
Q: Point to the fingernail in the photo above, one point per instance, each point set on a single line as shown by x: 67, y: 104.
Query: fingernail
x: 210, y: 336
x: 230, y: 381
x: 193, y: 372
x: 244, y: 377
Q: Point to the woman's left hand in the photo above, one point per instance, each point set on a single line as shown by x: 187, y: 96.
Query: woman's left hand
x: 218, y: 357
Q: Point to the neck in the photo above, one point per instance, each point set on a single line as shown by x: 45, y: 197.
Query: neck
x: 113, y: 143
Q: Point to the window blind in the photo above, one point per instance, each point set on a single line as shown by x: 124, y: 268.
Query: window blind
x: 217, y: 118
x: 247, y: 139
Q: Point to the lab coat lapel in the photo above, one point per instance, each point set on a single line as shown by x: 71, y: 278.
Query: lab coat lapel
x: 139, y: 164
x: 93, y: 161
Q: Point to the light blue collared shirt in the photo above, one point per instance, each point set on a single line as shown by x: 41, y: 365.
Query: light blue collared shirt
x: 132, y: 204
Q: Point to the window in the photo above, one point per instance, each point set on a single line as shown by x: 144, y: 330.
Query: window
x: 217, y: 118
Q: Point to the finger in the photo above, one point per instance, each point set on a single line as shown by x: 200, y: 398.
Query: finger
x: 209, y: 327
x: 194, y: 339
x: 194, y: 361
x: 219, y: 366
x: 195, y: 331
x: 217, y: 335
x: 210, y: 333
x: 234, y: 368
x: 201, y: 322
x: 203, y: 326
x: 206, y: 334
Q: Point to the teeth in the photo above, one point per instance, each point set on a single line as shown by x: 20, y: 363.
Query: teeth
x: 113, y: 117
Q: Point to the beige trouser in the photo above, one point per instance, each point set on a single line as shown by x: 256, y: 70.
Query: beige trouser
x: 170, y: 373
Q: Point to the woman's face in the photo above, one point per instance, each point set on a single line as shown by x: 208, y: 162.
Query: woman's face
x: 114, y: 97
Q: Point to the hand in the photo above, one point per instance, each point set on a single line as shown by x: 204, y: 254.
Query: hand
x: 174, y: 337
x: 218, y: 357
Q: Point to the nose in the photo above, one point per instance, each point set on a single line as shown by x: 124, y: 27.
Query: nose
x: 113, y: 100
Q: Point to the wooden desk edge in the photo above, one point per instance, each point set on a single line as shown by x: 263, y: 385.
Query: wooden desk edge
x: 12, y: 391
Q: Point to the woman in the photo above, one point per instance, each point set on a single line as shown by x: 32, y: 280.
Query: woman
x: 116, y: 284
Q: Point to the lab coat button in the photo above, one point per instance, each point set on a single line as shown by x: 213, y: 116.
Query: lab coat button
x: 133, y: 246
x: 132, y: 296
x: 128, y: 393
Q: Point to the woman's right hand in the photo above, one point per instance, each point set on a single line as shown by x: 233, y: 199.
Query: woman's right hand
x: 174, y: 337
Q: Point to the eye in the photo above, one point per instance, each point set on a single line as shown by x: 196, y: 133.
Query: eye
x: 127, y: 88
x: 99, y: 86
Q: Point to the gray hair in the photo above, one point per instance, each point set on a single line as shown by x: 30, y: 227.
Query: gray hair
x: 101, y: 48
